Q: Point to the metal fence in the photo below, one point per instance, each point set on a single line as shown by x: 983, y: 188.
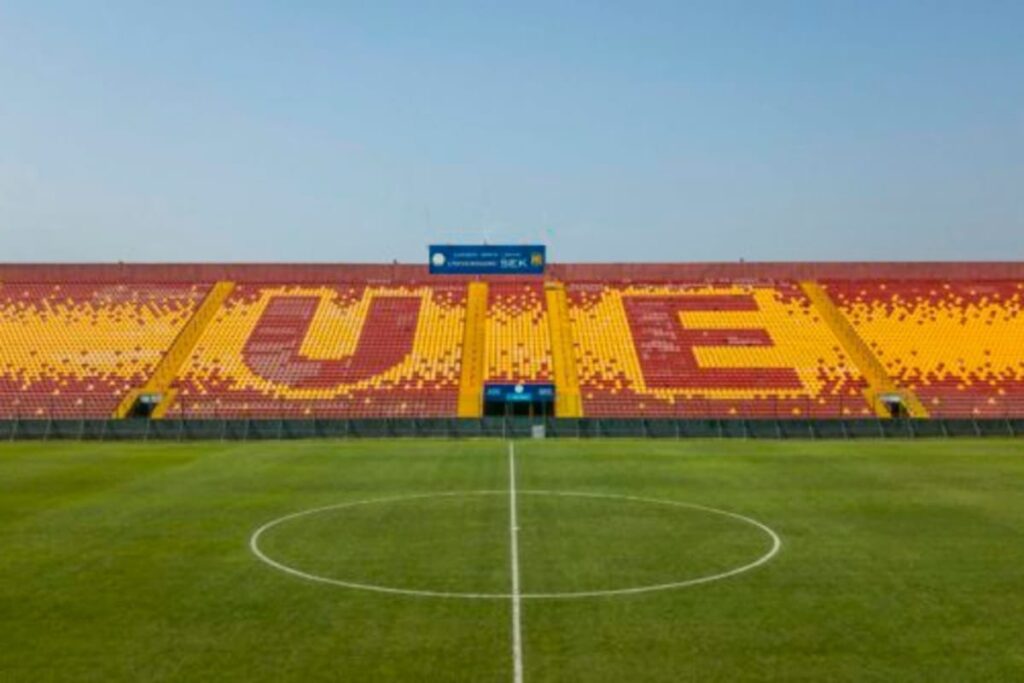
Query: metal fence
x: 262, y: 429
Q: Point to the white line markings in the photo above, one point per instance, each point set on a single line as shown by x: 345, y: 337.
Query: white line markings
x: 513, y: 541
x: 516, y: 596
x: 254, y: 546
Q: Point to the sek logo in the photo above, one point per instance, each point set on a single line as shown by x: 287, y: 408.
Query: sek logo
x: 438, y: 259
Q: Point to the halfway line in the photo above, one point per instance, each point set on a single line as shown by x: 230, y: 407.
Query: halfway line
x: 516, y: 597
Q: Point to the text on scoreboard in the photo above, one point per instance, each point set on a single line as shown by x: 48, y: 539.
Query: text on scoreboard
x: 487, y: 259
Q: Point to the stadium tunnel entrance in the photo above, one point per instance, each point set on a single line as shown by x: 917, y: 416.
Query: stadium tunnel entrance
x: 519, y: 400
x: 894, y: 406
x: 145, y: 405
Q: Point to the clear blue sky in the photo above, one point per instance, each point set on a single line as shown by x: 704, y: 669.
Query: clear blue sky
x: 611, y: 131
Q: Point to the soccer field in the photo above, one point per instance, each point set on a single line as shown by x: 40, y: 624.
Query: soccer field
x: 477, y: 560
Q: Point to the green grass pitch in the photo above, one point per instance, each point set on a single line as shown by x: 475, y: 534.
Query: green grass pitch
x: 900, y: 561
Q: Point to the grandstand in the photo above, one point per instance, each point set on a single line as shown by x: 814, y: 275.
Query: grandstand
x: 659, y: 340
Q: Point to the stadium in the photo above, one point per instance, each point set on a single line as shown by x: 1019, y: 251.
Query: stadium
x: 237, y: 471
x: 530, y: 342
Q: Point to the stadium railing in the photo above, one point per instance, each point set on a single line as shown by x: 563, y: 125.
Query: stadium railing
x: 581, y: 428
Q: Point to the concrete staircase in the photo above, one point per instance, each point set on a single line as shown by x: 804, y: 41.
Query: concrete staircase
x: 879, y: 381
x: 568, y: 402
x: 167, y: 369
x: 471, y: 381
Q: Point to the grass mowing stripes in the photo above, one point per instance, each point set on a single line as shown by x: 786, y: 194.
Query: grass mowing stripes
x: 125, y: 562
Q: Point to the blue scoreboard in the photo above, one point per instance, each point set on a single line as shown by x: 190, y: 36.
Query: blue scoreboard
x: 487, y: 259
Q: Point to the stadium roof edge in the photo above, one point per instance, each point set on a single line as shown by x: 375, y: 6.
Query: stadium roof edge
x: 398, y: 272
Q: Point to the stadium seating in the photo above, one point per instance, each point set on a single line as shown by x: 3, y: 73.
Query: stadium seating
x: 327, y: 351
x: 958, y: 345
x: 708, y: 350
x: 72, y: 350
x: 518, y: 340
x: 686, y: 340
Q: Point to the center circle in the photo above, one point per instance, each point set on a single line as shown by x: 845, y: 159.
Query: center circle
x: 455, y: 544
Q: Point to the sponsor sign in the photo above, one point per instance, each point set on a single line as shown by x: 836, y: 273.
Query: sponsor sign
x: 487, y: 259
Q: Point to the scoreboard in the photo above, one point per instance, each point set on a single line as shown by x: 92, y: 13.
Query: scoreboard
x: 487, y: 259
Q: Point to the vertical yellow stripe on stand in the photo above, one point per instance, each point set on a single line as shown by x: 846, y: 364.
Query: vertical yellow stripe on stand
x: 471, y: 381
x: 567, y: 384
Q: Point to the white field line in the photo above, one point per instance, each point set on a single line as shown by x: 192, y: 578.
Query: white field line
x: 254, y: 546
x: 517, y: 598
